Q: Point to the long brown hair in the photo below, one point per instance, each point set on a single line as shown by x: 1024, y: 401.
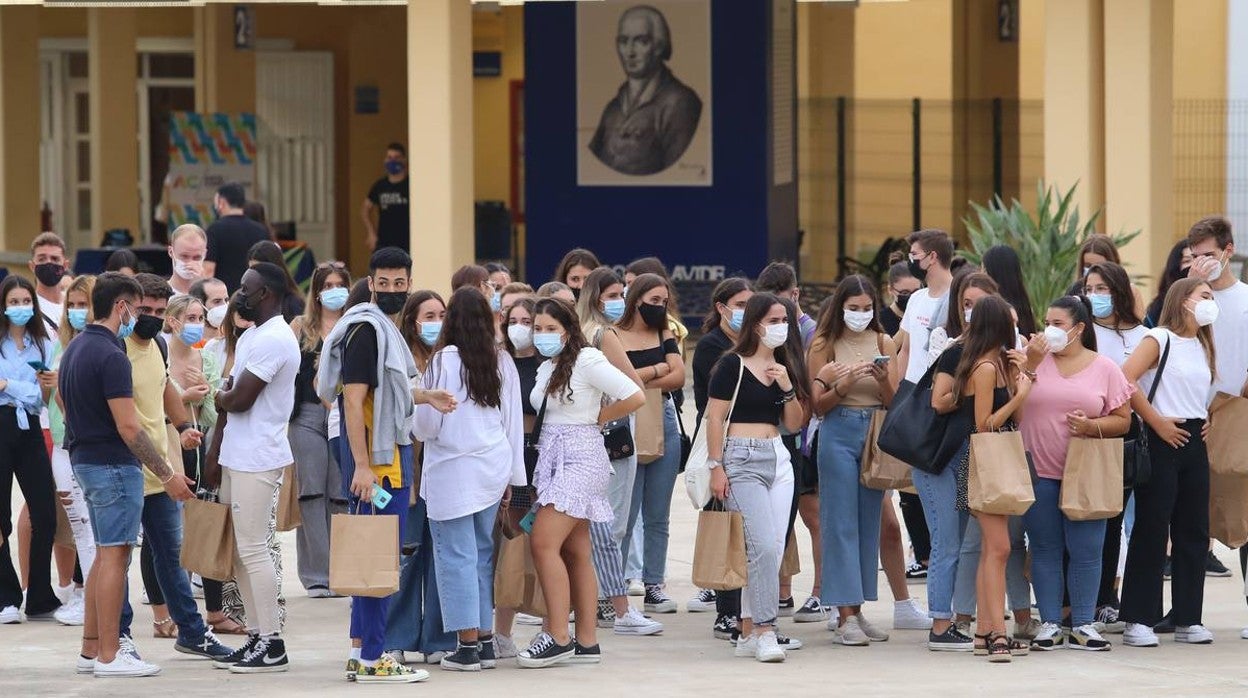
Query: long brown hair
x: 831, y: 323
x: 748, y: 340
x: 526, y: 303
x: 723, y: 292
x: 35, y: 329
x: 1120, y: 294
x: 1100, y: 245
x: 575, y: 257
x: 1175, y: 316
x: 469, y: 327
x: 310, y: 327
x: 955, y: 325
x: 407, y: 325
x: 574, y: 341
x: 636, y: 292
x: 991, y: 330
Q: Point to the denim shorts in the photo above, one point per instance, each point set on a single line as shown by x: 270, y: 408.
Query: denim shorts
x: 114, y: 495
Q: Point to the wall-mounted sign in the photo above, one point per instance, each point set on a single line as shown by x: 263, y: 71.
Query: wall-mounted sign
x: 244, y: 27
x: 1007, y: 20
x: 367, y: 99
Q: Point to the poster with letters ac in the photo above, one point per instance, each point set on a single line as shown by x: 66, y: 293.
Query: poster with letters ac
x: 206, y: 151
x: 643, y: 93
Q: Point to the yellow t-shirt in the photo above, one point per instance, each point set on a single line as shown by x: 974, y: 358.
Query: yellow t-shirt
x: 392, y: 470
x: 149, y: 377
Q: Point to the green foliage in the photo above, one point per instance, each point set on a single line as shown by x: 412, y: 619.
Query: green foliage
x: 1047, y: 239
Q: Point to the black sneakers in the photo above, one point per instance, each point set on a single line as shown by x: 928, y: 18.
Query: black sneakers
x: 917, y: 571
x: 1214, y: 567
x: 207, y: 647
x: 786, y: 607
x: 237, y: 655
x: 465, y: 657
x: 725, y: 627
x: 949, y: 641
x: 485, y: 648
x: 544, y: 652
x: 267, y: 655
x: 585, y: 655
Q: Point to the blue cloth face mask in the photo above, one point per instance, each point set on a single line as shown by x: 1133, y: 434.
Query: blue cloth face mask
x: 77, y: 318
x: 496, y: 301
x: 125, y: 329
x: 394, y: 167
x: 613, y: 309
x: 19, y: 314
x: 736, y: 319
x: 191, y: 333
x: 548, y: 344
x: 429, y: 332
x: 334, y: 298
x: 1102, y: 305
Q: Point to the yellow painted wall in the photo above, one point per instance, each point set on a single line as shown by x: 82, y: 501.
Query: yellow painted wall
x: 19, y: 126
x: 1200, y: 111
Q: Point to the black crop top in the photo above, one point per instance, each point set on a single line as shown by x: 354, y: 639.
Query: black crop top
x: 527, y: 368
x: 756, y: 403
x: 640, y: 358
x: 947, y: 363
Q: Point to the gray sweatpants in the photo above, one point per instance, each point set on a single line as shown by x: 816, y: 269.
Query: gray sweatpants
x: 760, y: 486
x: 320, y: 492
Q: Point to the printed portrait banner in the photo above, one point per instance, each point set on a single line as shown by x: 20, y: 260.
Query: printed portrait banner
x: 206, y: 151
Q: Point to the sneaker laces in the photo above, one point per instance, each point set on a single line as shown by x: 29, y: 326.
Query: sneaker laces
x: 259, y: 649
x: 706, y: 596
x: 812, y: 604
x: 655, y: 592
x: 125, y: 645
x: 1089, y: 632
x: 1107, y: 614
x: 541, y: 643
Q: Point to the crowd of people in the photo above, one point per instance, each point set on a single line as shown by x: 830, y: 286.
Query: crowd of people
x: 554, y: 417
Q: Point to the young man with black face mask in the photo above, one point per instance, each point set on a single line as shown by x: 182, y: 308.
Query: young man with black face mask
x: 48, y: 264
x: 390, y: 198
x: 249, y: 457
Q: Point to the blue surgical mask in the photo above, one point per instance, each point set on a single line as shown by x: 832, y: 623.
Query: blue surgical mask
x: 548, y: 344
x: 334, y: 298
x: 394, y: 167
x: 125, y: 329
x: 1102, y: 305
x: 613, y: 309
x: 77, y: 318
x: 429, y: 332
x: 191, y: 333
x: 496, y: 302
x: 20, y: 314
x: 736, y: 319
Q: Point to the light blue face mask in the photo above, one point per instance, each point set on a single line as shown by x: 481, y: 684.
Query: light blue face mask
x: 613, y: 309
x: 496, y: 301
x: 1102, y: 305
x: 736, y: 319
x: 548, y: 344
x: 191, y: 333
x: 334, y: 298
x: 77, y: 318
x: 429, y: 332
x: 125, y: 329
x: 20, y: 314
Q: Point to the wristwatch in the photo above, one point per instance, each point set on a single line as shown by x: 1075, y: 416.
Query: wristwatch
x: 714, y: 463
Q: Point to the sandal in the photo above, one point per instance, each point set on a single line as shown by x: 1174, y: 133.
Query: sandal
x: 164, y: 629
x: 227, y: 626
x: 982, y: 650
x: 999, y: 648
x: 1019, y: 648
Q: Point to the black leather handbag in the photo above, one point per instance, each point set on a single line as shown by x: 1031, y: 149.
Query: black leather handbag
x: 617, y: 436
x: 1137, y: 464
x: 915, y: 433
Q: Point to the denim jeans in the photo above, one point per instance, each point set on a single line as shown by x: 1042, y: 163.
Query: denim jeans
x: 162, y: 530
x: 464, y: 550
x: 414, y: 621
x: 939, y: 495
x: 1052, y: 535
x: 760, y: 482
x: 849, y: 514
x: 369, y: 614
x: 1017, y: 590
x: 652, y: 499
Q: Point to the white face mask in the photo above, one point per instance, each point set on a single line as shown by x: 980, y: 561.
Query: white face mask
x: 217, y: 315
x: 966, y: 314
x: 1218, y: 271
x: 186, y: 271
x: 1205, y: 312
x: 521, y: 336
x: 858, y: 320
x: 775, y: 335
x: 1056, y: 338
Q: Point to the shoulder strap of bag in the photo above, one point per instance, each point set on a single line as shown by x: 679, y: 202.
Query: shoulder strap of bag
x: 541, y: 417
x: 1161, y: 367
x: 733, y: 405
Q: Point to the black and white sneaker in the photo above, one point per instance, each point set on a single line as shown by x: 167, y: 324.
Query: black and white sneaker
x: 606, y: 613
x: 1214, y: 567
x: 489, y: 657
x: 657, y: 600
x: 585, y: 655
x: 725, y: 627
x: 1085, y: 637
x: 207, y: 647
x: 237, y: 655
x: 811, y: 612
x: 949, y: 641
x: 786, y: 607
x: 916, y: 572
x: 703, y: 602
x: 544, y: 652
x: 464, y: 658
x: 267, y: 656
x: 1050, y: 636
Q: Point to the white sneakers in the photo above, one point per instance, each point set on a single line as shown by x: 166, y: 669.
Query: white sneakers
x: 636, y: 588
x: 634, y: 623
x: 1193, y: 635
x: 526, y: 619
x: 764, y: 648
x: 71, y: 612
x: 849, y: 633
x: 872, y: 632
x: 505, y: 646
x: 1139, y: 635
x: 10, y: 615
x: 908, y: 616
x: 124, y: 665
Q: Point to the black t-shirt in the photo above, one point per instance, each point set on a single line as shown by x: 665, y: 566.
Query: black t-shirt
x: 393, y: 217
x: 947, y: 363
x: 229, y: 238
x: 712, y: 346
x: 359, y: 356
x: 890, y: 321
x: 292, y: 307
x: 527, y: 368
x: 756, y: 403
x: 304, y: 392
x: 94, y: 370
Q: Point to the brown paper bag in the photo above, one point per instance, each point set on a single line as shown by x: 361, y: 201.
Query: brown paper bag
x: 881, y: 471
x: 288, y: 516
x: 719, y: 551
x: 364, y: 554
x: 207, y: 539
x: 790, y: 562
x: 1092, y: 483
x: 515, y: 578
x: 1228, y: 515
x: 1228, y: 416
x: 999, y: 480
x: 648, y: 432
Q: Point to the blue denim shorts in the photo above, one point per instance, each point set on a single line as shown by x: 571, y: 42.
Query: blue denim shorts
x: 114, y: 495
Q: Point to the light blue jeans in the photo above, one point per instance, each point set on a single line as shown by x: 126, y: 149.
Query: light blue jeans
x: 1052, y: 534
x: 652, y: 499
x: 849, y: 514
x: 463, y: 551
x: 414, y: 619
x: 939, y: 495
x: 1017, y: 590
x: 760, y: 486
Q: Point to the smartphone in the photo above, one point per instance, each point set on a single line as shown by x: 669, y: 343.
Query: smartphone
x: 526, y: 524
x: 380, y: 497
x: 881, y: 360
x: 38, y: 366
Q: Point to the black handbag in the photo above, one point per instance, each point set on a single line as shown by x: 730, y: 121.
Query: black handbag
x: 686, y: 444
x: 531, y: 439
x: 617, y: 436
x: 915, y: 433
x: 1137, y: 464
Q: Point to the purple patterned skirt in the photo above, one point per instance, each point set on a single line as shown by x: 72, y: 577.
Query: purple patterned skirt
x: 573, y: 471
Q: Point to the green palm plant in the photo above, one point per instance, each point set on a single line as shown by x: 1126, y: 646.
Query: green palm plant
x: 1046, y: 239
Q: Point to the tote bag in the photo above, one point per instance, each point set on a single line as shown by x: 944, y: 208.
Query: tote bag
x: 881, y: 471
x: 719, y: 551
x: 207, y: 539
x: 364, y: 555
x: 649, y: 440
x: 1092, y: 482
x: 914, y: 433
x: 697, y: 472
x: 999, y: 479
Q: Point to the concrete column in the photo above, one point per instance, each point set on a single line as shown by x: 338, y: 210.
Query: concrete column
x: 111, y: 36
x: 19, y: 126
x: 1139, y: 161
x: 225, y: 77
x: 1074, y: 100
x: 1237, y: 130
x: 440, y: 135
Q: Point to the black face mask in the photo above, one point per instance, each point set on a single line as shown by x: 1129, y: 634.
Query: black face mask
x: 576, y: 293
x: 148, y: 326
x: 391, y: 302
x: 903, y: 299
x: 917, y: 271
x: 247, y: 308
x: 50, y: 273
x: 655, y: 316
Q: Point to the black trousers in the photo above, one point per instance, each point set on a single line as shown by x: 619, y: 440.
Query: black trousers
x: 25, y: 459
x: 916, y: 525
x: 1175, y: 502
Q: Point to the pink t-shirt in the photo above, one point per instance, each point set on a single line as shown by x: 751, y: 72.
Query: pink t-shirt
x: 1098, y: 389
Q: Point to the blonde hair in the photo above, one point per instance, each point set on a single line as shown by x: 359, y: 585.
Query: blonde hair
x: 187, y: 229
x: 82, y: 284
x: 180, y: 304
x: 1175, y: 317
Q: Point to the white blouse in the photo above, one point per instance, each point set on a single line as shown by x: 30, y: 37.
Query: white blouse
x: 592, y: 377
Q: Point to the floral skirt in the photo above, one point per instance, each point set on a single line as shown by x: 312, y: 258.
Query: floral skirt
x: 573, y: 471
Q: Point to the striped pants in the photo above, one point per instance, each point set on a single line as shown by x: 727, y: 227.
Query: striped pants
x: 605, y: 537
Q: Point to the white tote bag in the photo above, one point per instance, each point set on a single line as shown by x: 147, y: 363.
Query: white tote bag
x: 697, y: 472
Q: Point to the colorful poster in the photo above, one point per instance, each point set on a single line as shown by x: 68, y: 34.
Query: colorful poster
x: 206, y: 151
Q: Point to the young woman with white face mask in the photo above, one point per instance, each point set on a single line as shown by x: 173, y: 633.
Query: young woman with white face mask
x: 852, y: 383
x: 751, y: 471
x: 1176, y: 497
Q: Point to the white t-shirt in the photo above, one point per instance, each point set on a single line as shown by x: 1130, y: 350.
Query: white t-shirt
x: 915, y: 322
x: 52, y: 313
x: 1184, y: 389
x: 1230, y: 338
x: 1117, y: 345
x: 592, y: 377
x: 255, y: 441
